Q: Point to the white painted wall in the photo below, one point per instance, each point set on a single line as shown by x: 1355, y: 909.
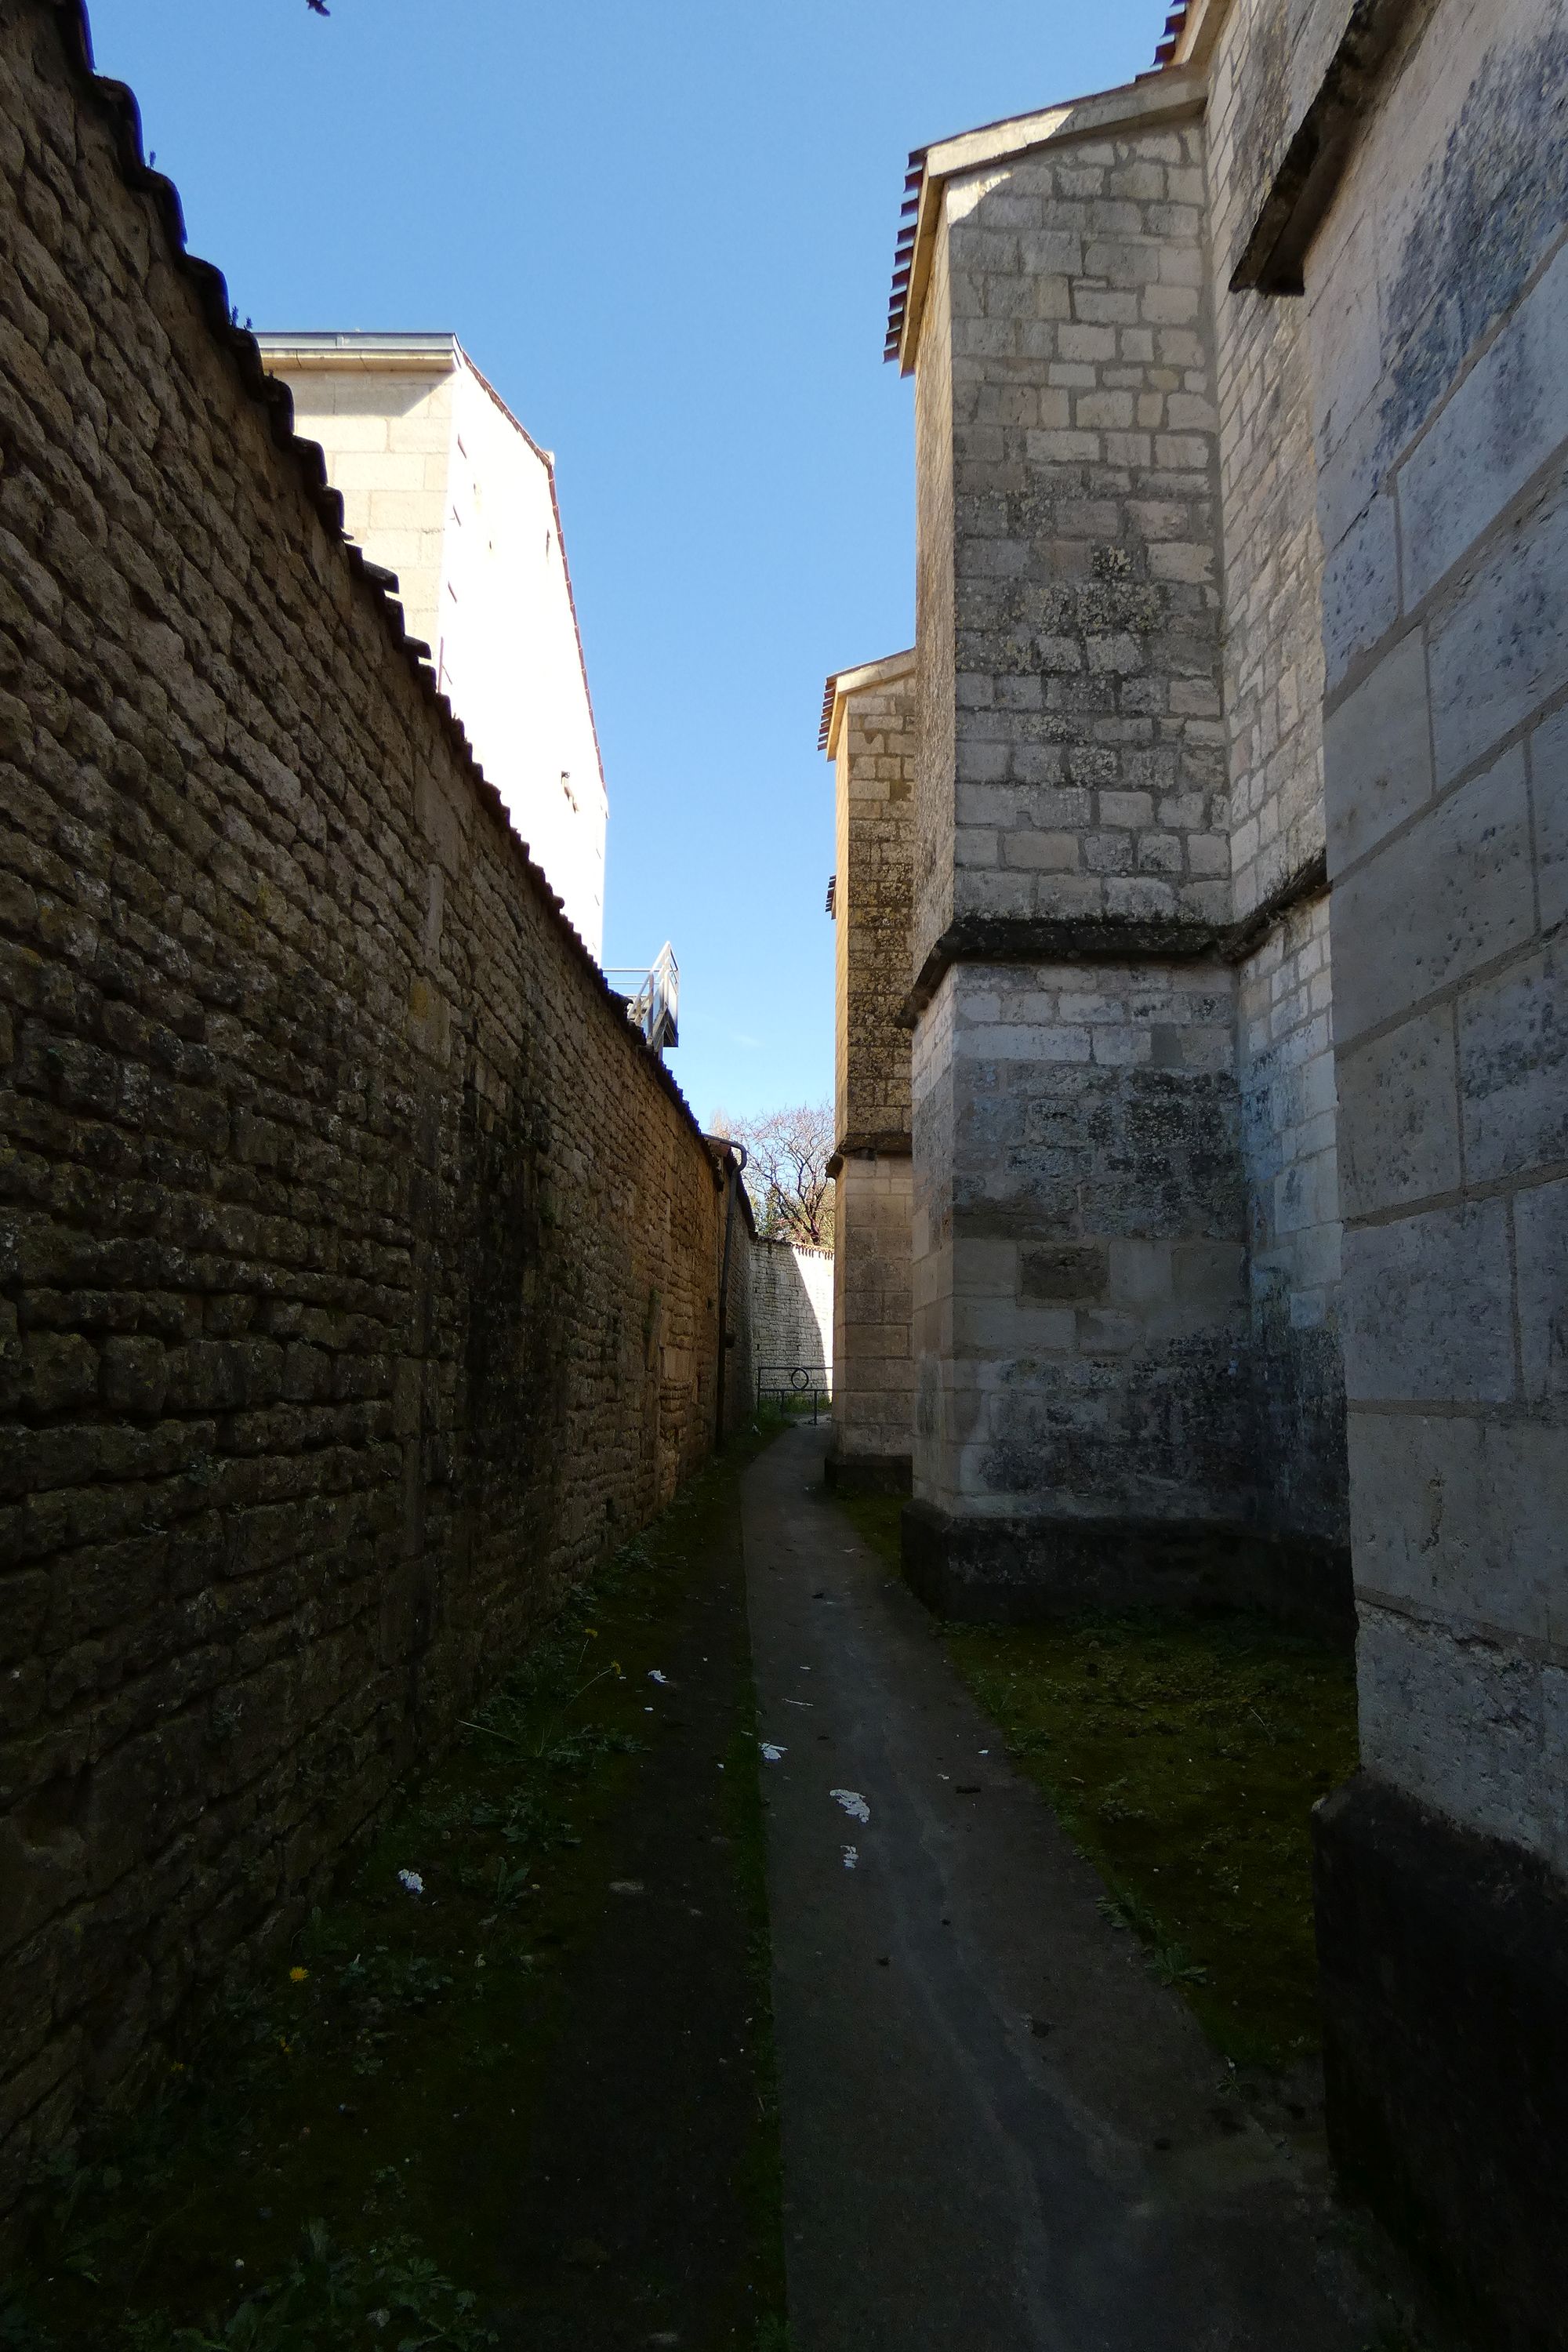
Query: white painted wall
x: 508, y: 652
x: 442, y: 485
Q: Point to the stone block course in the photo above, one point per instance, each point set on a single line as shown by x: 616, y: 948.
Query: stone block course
x: 358, y: 1266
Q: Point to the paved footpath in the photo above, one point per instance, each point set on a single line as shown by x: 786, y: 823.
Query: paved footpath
x: 1000, y: 2133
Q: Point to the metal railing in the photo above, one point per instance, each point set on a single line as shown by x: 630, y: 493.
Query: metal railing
x: 795, y: 1386
x: 654, y: 1005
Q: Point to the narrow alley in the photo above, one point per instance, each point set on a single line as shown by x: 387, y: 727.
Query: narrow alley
x: 999, y: 2132
x: 846, y: 1635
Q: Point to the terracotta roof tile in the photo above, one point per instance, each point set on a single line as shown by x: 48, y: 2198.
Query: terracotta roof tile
x: 898, y: 305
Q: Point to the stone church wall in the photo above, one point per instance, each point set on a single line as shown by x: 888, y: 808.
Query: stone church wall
x: 359, y: 1266
x: 1437, y: 295
x: 1274, y: 689
x: 1084, y: 1398
x: 871, y: 737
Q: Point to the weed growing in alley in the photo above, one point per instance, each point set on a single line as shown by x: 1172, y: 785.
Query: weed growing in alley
x: 1184, y: 1756
x: 334, y: 2159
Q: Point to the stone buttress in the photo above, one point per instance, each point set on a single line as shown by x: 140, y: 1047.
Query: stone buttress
x: 868, y: 721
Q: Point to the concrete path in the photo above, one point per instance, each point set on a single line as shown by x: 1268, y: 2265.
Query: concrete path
x: 999, y: 2132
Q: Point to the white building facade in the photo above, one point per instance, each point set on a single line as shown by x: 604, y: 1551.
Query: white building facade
x: 442, y: 486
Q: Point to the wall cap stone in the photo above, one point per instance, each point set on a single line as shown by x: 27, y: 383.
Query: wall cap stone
x: 1004, y: 939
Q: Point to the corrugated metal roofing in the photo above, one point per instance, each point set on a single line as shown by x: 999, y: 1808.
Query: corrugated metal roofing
x: 1175, y: 25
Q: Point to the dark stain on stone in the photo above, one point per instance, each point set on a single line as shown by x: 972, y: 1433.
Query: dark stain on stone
x: 1488, y: 208
x: 1066, y: 1275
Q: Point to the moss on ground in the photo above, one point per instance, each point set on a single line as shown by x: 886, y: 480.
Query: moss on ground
x: 341, y: 2155
x: 1184, y: 1756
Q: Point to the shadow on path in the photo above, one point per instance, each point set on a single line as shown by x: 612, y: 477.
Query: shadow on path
x: 999, y: 2132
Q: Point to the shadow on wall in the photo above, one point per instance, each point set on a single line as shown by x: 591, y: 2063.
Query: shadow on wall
x: 792, y: 1308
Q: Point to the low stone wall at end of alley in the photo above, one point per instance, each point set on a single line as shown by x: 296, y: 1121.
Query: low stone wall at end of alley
x: 792, y: 1307
x: 359, y: 1266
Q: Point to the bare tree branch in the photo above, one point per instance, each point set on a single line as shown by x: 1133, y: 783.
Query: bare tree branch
x: 787, y: 1173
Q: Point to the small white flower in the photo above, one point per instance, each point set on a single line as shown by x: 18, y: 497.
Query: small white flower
x: 412, y: 1880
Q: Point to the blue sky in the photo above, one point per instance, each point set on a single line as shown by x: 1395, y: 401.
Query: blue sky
x: 665, y: 234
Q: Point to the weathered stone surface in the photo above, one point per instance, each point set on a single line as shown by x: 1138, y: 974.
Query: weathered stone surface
x: 1442, y: 764
x: 358, y: 1268
x: 1445, y: 1967
x: 871, y: 737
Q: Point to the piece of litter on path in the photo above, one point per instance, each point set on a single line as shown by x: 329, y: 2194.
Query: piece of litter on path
x: 985, y: 1751
x: 770, y: 1753
x: 412, y: 1880
x: 797, y: 1702
x: 853, y: 1802
x: 654, y: 1675
x: 945, y: 1776
x: 851, y: 1857
x: 626, y: 1887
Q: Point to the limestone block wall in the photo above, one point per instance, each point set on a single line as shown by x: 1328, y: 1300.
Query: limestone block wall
x: 873, y: 1378
x: 1269, y: 486
x: 1290, y: 1158
x: 871, y: 737
x: 1082, y: 1341
x: 872, y: 740
x: 1067, y: 452
x: 1259, y: 80
x: 357, y: 1266
x: 1437, y: 288
x: 936, y: 707
x: 1438, y: 294
x: 792, y: 1305
x: 1079, y: 1219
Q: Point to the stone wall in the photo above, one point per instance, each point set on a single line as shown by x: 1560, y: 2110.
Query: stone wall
x: 1438, y: 298
x: 1088, y: 775
x: 871, y: 740
x: 1079, y: 1226
x: 1447, y: 677
x: 1290, y: 1154
x: 359, y: 1266
x: 1084, y: 1371
x: 1273, y: 558
x: 873, y: 1367
x: 792, y: 1306
x: 1273, y: 698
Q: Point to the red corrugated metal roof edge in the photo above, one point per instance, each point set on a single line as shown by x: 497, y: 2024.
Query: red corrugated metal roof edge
x: 903, y: 253
x: 1175, y: 25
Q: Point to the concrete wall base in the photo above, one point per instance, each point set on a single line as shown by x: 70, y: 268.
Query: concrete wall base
x: 1016, y: 1571
x: 1444, y: 1996
x: 869, y: 1473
